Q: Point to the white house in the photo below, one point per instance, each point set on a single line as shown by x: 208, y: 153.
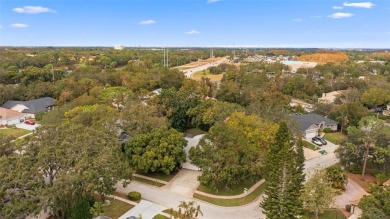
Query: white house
x: 30, y: 107
x: 310, y: 124
x: 10, y: 117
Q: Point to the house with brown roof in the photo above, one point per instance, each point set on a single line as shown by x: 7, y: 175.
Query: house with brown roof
x: 10, y: 117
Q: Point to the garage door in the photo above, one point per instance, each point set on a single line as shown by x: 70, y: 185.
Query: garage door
x: 13, y: 121
x: 311, y: 134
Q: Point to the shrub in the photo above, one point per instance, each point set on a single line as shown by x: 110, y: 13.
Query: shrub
x: 381, y: 178
x: 134, y: 196
x: 327, y: 130
x: 348, y: 208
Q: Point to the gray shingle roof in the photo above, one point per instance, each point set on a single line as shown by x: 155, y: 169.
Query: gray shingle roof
x: 34, y: 106
x: 306, y: 120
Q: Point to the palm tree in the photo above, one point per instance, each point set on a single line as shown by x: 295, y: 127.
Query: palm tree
x: 189, y: 210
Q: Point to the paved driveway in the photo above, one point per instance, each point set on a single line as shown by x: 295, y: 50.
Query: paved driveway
x: 185, y: 182
x: 322, y: 161
x: 192, y: 142
x: 27, y: 127
x: 145, y: 208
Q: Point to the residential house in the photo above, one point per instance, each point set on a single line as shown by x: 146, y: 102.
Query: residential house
x: 10, y: 117
x: 329, y: 98
x: 30, y: 107
x: 310, y: 124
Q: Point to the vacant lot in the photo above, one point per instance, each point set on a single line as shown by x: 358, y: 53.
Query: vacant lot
x: 198, y: 76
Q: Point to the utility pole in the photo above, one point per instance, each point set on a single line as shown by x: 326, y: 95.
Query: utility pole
x: 167, y: 57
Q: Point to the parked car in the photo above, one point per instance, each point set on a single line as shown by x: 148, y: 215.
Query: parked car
x: 28, y: 122
x: 321, y: 140
x: 316, y: 141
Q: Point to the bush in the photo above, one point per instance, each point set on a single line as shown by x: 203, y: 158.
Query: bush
x: 134, y: 196
x: 348, y: 208
x: 381, y: 178
x: 327, y: 130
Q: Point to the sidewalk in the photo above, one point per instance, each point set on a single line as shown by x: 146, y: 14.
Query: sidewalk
x: 255, y: 186
x: 150, y: 178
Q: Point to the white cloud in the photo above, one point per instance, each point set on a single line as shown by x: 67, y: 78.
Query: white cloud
x: 32, y: 10
x: 212, y: 1
x: 337, y: 7
x: 147, y: 22
x: 359, y: 4
x: 18, y: 25
x: 297, y: 20
x: 317, y: 16
x: 192, y: 32
x: 340, y: 15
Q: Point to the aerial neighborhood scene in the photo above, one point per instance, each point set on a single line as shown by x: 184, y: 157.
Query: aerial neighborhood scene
x: 195, y: 109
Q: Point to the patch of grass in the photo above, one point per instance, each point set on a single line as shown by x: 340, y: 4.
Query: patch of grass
x: 194, y: 131
x: 233, y: 202
x: 335, y: 137
x: 311, y: 146
x: 116, y: 209
x: 160, y: 176
x: 205, y: 73
x: 159, y: 216
x: 332, y: 214
x: 146, y: 181
x: 239, y: 189
x: 14, y: 132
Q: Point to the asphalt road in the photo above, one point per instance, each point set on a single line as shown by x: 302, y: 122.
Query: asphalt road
x: 189, y: 72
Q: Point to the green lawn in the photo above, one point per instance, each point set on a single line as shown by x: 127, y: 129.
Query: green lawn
x: 328, y: 214
x: 233, y: 202
x: 309, y: 145
x: 14, y: 132
x: 194, y: 131
x: 116, y: 209
x: 159, y: 216
x: 160, y: 176
x: 146, y: 181
x: 335, y: 137
x: 239, y: 189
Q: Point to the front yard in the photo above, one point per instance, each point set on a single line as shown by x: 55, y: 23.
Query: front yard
x: 116, y: 209
x: 335, y: 137
x: 14, y: 132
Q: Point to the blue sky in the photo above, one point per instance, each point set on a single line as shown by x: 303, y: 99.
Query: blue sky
x: 254, y: 23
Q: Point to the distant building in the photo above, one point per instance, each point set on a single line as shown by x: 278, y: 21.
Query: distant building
x: 119, y: 47
x: 306, y: 106
x: 329, y: 98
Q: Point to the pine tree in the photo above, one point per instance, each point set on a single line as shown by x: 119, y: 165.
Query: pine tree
x: 284, y: 177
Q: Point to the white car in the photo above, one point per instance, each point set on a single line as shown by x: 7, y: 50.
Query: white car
x: 316, y: 141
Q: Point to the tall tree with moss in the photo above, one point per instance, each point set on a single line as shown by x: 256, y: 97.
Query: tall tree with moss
x: 284, y: 177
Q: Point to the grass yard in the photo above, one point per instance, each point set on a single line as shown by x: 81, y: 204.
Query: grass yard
x: 159, y: 216
x: 311, y: 146
x: 335, y: 137
x: 239, y: 189
x: 194, y: 131
x: 332, y: 214
x: 160, y: 176
x: 233, y: 202
x: 198, y: 76
x: 116, y: 209
x: 146, y: 181
x: 14, y: 132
